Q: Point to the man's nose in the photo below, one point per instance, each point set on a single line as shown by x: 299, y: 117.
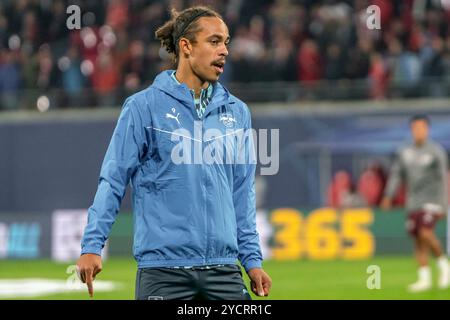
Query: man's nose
x: 224, y: 51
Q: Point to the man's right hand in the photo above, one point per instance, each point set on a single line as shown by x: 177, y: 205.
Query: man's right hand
x: 89, y: 265
x: 386, y: 203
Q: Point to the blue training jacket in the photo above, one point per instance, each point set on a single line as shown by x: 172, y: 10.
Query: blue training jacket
x: 184, y: 214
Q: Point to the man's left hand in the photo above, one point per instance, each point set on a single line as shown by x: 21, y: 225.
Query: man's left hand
x: 260, y: 282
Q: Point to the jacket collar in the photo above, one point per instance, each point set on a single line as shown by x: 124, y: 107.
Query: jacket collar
x: 181, y: 92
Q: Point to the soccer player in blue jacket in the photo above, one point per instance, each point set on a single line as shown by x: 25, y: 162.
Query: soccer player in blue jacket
x: 194, y: 219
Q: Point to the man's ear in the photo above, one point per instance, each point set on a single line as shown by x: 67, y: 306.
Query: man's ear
x: 185, y: 46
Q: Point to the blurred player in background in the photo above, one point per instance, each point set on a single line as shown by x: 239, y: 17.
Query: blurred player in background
x: 422, y: 166
x: 192, y: 221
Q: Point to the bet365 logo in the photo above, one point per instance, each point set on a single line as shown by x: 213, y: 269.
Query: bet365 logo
x: 323, y: 234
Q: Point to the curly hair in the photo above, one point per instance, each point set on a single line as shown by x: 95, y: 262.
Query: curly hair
x: 182, y: 24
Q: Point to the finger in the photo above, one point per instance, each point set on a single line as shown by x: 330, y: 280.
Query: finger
x: 266, y: 289
x: 89, y: 283
x: 78, y: 271
x: 83, y: 276
x: 259, y: 287
x: 267, y: 285
x: 96, y: 271
x: 254, y: 288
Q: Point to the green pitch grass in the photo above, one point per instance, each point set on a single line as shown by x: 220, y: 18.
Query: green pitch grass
x: 301, y: 279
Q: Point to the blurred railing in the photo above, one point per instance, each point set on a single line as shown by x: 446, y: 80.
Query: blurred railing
x: 343, y: 89
x: 336, y: 90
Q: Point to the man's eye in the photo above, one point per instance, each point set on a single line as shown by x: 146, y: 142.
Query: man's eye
x: 214, y: 41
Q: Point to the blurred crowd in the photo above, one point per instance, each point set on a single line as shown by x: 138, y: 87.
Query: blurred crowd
x: 366, y: 189
x: 115, y: 51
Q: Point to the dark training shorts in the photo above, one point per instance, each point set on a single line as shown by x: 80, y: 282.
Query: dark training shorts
x: 421, y: 219
x: 217, y: 283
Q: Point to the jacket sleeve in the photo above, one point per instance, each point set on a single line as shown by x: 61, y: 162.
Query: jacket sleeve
x: 395, y: 176
x: 121, y: 160
x: 244, y: 202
